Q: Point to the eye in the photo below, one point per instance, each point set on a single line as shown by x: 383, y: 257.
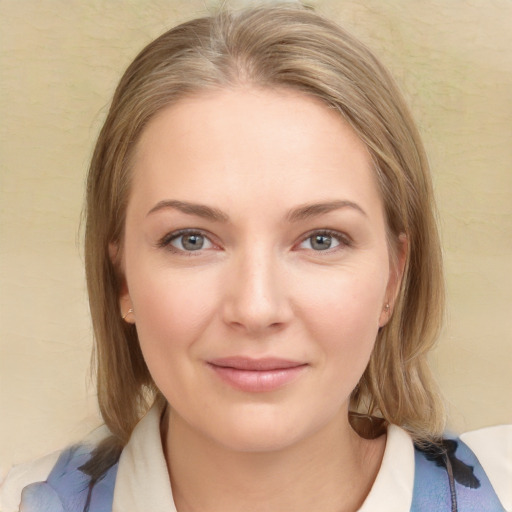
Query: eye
x: 186, y: 241
x: 323, y: 241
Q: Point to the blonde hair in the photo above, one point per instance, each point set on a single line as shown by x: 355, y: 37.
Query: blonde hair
x: 285, y: 46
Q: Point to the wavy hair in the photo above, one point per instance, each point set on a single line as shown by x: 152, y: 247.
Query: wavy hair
x: 286, y: 46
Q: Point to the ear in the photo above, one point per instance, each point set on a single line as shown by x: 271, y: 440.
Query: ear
x: 125, y: 301
x: 397, y: 264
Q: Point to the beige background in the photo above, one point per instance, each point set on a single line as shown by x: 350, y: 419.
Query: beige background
x: 60, y: 61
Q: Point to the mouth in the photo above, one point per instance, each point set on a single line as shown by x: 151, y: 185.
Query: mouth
x: 257, y: 375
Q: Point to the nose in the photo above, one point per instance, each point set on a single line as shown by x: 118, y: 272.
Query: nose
x: 255, y: 294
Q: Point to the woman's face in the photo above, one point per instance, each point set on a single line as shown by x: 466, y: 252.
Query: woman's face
x: 257, y: 264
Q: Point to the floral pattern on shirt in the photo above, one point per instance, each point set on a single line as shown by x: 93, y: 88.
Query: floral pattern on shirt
x: 68, y: 489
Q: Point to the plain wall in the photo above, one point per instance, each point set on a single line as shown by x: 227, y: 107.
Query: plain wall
x: 59, y: 63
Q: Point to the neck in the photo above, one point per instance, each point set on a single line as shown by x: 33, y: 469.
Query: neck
x: 332, y: 471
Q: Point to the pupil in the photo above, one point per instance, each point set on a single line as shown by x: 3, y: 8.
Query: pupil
x: 321, y: 242
x: 193, y: 242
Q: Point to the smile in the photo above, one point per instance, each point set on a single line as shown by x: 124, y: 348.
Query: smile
x: 257, y: 375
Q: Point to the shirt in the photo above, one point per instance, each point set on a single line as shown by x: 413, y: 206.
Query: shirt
x: 392, y: 490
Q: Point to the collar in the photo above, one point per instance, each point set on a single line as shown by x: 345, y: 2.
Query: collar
x: 143, y: 482
x: 392, y: 489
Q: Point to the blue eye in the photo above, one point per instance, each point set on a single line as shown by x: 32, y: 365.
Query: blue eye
x: 322, y: 241
x: 187, y: 241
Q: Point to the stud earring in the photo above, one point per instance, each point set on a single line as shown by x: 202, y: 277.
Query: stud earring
x: 386, y: 307
x: 127, y: 313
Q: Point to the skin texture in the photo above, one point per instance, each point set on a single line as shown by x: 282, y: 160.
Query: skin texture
x: 309, y: 287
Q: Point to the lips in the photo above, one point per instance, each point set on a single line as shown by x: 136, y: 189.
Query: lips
x: 257, y: 375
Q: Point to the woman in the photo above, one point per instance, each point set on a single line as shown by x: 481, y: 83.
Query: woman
x: 265, y: 277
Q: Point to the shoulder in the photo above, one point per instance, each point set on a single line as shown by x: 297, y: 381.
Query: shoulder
x: 22, y: 475
x: 50, y: 479
x: 493, y: 448
x: 411, y: 479
x: 68, y: 486
x: 473, y: 471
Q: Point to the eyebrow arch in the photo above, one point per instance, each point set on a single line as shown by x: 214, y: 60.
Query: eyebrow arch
x: 315, y: 209
x: 199, y: 210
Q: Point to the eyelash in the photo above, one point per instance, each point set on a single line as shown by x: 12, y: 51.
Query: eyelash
x: 165, y: 242
x: 343, y: 240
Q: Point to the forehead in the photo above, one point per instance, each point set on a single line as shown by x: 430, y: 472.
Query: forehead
x: 257, y: 144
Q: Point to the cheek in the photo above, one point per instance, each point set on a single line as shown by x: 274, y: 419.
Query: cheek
x: 172, y: 310
x: 342, y: 312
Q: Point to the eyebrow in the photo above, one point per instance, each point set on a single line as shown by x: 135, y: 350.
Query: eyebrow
x: 302, y: 212
x: 308, y: 211
x: 199, y: 210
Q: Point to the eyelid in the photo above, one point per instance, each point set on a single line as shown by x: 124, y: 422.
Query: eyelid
x: 165, y: 241
x: 343, y: 239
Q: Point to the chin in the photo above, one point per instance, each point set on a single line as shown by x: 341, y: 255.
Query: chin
x: 258, y: 440
x: 263, y: 430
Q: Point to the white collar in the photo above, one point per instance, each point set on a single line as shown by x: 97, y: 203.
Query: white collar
x: 143, y: 482
x: 392, y: 489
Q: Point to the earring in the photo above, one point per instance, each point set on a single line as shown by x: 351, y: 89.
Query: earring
x: 386, y: 307
x: 127, y: 313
